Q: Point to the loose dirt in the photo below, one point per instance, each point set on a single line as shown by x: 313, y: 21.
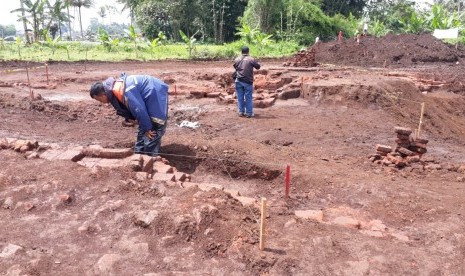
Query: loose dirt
x: 346, y: 215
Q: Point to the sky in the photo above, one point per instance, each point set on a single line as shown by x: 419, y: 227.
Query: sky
x: 7, y: 18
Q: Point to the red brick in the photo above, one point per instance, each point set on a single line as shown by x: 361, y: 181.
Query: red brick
x: 403, y: 130
x: 383, y: 148
x: 157, y: 177
x: 162, y: 168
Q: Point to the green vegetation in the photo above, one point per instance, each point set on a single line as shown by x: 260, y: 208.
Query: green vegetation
x: 124, y: 50
x: 194, y: 29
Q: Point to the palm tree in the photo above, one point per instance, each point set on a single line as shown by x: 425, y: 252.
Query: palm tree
x: 102, y: 12
x: 57, y: 14
x: 131, y: 5
x: 68, y: 3
x: 79, y: 4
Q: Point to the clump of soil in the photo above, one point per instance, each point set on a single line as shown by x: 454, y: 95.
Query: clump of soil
x: 392, y: 49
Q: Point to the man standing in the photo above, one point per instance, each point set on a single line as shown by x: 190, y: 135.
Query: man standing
x: 244, y: 66
x: 142, y: 98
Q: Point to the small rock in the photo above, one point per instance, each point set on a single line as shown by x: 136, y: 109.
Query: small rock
x: 460, y: 179
x: 347, y: 222
x: 316, y: 215
x: 204, y: 148
x: 144, y: 219
x: 208, y: 231
x: 65, y: 198
x: 106, y: 263
x: 10, y: 250
x: 33, y: 155
x: 8, y: 203
x: 28, y: 206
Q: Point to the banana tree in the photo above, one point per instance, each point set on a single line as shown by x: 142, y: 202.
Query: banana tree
x: 35, y: 14
x: 189, y: 41
x: 133, y: 37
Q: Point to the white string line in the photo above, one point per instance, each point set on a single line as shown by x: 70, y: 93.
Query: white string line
x: 217, y: 159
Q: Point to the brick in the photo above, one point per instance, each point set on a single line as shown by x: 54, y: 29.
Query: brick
x: 246, y: 200
x: 208, y: 187
x: 144, y: 219
x: 28, y: 206
x: 50, y: 154
x: 347, y: 222
x: 413, y: 159
x: 289, y: 94
x: 421, y: 141
x: 198, y: 94
x: 383, y: 148
x: 316, y: 215
x: 18, y: 144
x: 162, y: 168
x: 4, y: 143
x: 213, y: 94
x: 180, y: 176
x: 71, y: 154
x: 98, y: 151
x: 264, y: 103
x: 381, y: 153
x: 404, y: 151
x: 461, y: 169
x: 403, y: 130
x: 65, y: 198
x: 232, y: 192
x: 24, y: 148
x: 433, y: 167
x: 405, y: 138
x: 142, y: 176
x: 158, y: 177
x: 88, y: 162
x: 109, y: 163
x: 148, y: 165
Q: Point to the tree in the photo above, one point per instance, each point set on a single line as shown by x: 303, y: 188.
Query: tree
x: 263, y: 14
x: 344, y: 7
x: 7, y: 30
x: 102, y: 12
x: 82, y: 4
x: 131, y: 5
x: 57, y: 15
x: 36, y: 14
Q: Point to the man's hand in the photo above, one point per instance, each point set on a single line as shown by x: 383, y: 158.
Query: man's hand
x: 129, y: 123
x: 150, y: 134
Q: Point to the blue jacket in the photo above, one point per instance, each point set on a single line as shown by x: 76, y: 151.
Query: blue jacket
x: 146, y: 98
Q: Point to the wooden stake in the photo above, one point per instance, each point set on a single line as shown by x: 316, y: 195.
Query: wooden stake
x: 288, y: 180
x: 262, y: 224
x: 31, y: 94
x: 46, y: 71
x: 421, y: 120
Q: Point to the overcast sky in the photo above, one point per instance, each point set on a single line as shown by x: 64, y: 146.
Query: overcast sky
x: 6, y: 17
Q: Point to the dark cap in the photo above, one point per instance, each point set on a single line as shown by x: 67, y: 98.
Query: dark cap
x: 245, y: 49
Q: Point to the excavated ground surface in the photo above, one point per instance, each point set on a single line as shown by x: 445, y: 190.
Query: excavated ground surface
x: 345, y: 216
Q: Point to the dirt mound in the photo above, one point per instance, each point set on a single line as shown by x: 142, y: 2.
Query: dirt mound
x: 392, y: 49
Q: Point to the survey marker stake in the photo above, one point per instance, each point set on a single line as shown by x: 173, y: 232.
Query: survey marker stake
x: 46, y: 71
x: 262, y: 224
x: 288, y: 180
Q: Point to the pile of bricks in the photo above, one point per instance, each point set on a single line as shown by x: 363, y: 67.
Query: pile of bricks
x: 304, y: 58
x: 408, y: 150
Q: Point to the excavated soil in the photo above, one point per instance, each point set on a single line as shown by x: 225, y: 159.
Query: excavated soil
x: 346, y: 215
x: 392, y: 50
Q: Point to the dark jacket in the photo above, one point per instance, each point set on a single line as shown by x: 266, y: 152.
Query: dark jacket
x: 244, y: 66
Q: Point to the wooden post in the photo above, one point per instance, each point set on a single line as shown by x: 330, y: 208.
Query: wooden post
x: 421, y: 120
x: 46, y: 71
x: 288, y: 180
x: 262, y: 224
x: 31, y: 94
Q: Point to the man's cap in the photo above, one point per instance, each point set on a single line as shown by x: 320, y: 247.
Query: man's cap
x: 245, y: 49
